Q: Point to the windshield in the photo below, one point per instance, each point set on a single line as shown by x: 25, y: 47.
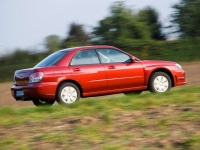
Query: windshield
x: 52, y: 59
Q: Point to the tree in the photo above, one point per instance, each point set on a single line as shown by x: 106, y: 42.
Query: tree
x: 150, y: 17
x: 76, y: 36
x: 122, y: 26
x: 52, y: 43
x: 185, y: 19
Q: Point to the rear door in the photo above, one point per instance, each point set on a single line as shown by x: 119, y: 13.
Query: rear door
x: 121, y: 71
x: 87, y: 70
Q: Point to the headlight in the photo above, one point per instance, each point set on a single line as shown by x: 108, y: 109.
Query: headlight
x: 179, y: 66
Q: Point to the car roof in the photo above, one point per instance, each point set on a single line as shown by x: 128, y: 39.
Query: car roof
x: 87, y: 47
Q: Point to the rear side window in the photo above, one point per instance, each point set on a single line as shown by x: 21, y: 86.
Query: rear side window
x: 85, y: 57
x: 52, y: 59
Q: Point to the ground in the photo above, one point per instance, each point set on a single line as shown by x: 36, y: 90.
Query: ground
x: 174, y: 126
x: 192, y: 78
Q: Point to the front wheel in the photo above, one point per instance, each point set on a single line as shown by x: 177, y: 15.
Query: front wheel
x: 159, y: 82
x: 43, y: 102
x: 68, y: 93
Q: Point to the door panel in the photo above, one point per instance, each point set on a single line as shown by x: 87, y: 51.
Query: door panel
x: 124, y: 75
x: 91, y: 77
x: 86, y: 69
x: 121, y: 71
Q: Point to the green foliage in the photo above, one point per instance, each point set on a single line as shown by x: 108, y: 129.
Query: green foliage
x: 185, y: 18
x: 112, y: 147
x: 147, y: 133
x: 186, y: 49
x: 52, y: 43
x: 121, y: 27
x: 20, y: 59
x: 6, y: 143
x: 77, y: 36
x: 142, y: 122
x: 56, y: 137
x: 164, y: 122
x: 150, y: 17
x: 6, y: 111
x: 24, y: 147
x: 106, y: 117
x: 193, y: 142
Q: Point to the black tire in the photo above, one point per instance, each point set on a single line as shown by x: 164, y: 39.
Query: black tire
x: 159, y: 82
x: 133, y: 93
x: 68, y: 93
x: 43, y: 102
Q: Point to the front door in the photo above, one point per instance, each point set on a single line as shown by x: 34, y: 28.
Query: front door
x: 121, y: 71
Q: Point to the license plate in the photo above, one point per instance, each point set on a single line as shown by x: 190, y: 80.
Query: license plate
x: 19, y: 93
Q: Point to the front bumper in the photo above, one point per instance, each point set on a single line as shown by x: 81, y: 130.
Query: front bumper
x: 179, y: 78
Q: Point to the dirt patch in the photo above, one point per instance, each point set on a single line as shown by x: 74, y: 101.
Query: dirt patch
x: 192, y: 71
x: 6, y: 98
x: 192, y: 78
x: 154, y: 128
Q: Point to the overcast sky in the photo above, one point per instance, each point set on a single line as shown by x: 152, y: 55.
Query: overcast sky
x: 25, y: 23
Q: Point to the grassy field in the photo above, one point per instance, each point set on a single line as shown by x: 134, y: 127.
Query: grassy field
x: 147, y: 121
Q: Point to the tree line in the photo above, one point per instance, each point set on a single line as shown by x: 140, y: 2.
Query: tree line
x: 123, y: 26
x: 137, y: 32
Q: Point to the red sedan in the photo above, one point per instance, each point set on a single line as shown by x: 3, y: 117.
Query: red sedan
x: 69, y: 74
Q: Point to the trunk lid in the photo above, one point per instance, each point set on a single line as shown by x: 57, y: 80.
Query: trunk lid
x: 21, y: 77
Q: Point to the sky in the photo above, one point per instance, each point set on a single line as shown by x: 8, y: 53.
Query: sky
x: 25, y: 23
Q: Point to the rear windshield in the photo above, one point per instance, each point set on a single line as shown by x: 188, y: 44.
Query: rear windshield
x: 52, y: 59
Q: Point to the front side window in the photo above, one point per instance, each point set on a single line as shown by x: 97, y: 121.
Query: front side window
x: 85, y: 57
x: 52, y: 59
x: 113, y: 56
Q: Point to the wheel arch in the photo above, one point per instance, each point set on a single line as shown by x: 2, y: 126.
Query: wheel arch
x: 71, y: 81
x: 162, y: 70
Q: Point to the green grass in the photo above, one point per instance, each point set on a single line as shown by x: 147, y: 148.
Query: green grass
x: 100, y: 122
x: 6, y: 143
x: 104, y: 107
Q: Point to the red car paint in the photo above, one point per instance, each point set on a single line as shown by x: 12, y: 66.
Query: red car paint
x: 93, y: 79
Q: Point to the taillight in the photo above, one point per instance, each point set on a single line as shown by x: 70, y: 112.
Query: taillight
x: 36, y: 77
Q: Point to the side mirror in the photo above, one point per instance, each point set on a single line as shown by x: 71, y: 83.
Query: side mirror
x: 134, y: 59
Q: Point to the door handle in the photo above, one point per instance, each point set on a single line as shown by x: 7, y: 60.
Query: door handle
x: 111, y: 67
x: 77, y: 69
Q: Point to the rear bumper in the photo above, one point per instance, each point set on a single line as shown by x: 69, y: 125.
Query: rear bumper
x: 35, y: 90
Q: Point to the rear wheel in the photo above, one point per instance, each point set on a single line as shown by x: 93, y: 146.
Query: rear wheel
x: 160, y: 82
x: 68, y: 93
x: 43, y: 102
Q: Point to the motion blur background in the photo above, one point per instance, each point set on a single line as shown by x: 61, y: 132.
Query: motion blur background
x: 32, y: 29
x: 149, y: 29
